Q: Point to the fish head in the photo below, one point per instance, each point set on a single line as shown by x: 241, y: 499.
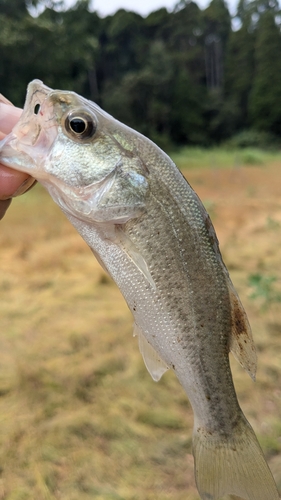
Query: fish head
x: 86, y: 159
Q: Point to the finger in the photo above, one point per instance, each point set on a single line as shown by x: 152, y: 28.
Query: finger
x: 9, y: 116
x: 11, y: 181
x: 5, y: 100
x: 25, y: 186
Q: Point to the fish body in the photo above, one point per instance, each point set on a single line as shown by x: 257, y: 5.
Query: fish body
x: 151, y: 233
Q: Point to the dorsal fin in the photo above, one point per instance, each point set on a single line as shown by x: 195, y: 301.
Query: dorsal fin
x: 241, y: 342
x: 154, y: 364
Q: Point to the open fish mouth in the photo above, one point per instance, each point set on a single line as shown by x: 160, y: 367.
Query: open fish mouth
x: 12, y: 157
x: 27, y: 146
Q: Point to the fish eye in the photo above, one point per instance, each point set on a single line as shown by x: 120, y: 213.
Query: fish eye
x: 80, y: 125
x: 36, y: 108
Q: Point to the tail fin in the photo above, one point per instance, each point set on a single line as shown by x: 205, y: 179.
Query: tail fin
x: 233, y: 465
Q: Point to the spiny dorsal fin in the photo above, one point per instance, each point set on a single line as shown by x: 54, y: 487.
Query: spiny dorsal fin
x: 241, y: 342
x: 154, y: 364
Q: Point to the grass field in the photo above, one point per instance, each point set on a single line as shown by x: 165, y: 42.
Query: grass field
x: 80, y: 416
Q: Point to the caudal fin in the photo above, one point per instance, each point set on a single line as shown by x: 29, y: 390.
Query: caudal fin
x: 234, y: 466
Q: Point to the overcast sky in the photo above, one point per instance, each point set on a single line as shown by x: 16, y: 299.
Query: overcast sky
x: 143, y: 7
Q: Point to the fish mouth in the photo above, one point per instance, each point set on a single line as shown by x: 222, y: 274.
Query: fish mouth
x: 30, y: 141
x: 12, y: 157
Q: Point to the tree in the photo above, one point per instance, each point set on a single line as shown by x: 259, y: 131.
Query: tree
x: 181, y: 76
x: 219, y: 113
x: 122, y: 44
x: 216, y: 34
x: 142, y: 98
x: 188, y: 125
x: 239, y: 72
x: 13, y: 8
x: 265, y: 97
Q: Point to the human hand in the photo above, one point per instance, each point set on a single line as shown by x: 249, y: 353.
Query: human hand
x: 12, y: 182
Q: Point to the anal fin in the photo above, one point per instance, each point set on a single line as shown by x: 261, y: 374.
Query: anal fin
x: 153, y: 362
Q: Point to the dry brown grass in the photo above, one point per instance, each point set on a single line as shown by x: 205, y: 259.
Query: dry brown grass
x: 80, y: 416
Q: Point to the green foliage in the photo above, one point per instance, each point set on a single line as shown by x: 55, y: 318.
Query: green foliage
x: 13, y: 9
x: 253, y: 139
x: 180, y: 77
x: 264, y: 289
x: 251, y: 157
x: 220, y: 157
x: 265, y: 96
x: 239, y: 71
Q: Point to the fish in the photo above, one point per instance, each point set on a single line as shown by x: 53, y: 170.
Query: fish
x: 151, y: 233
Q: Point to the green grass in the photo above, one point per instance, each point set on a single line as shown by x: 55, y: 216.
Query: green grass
x: 196, y: 157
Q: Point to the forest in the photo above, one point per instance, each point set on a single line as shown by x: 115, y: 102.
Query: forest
x: 184, y: 77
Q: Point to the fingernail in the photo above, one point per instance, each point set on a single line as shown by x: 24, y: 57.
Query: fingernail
x: 24, y: 187
x: 4, y: 198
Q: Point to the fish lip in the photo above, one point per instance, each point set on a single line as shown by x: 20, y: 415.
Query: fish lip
x: 25, y: 148
x: 12, y: 157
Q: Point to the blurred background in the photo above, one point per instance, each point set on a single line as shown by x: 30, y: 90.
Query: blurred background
x: 80, y: 416
x: 181, y: 76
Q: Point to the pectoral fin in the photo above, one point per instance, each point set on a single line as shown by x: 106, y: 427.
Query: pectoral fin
x: 134, y: 254
x: 154, y: 364
x: 241, y: 342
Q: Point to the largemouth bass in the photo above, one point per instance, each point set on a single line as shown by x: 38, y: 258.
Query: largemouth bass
x: 151, y: 233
